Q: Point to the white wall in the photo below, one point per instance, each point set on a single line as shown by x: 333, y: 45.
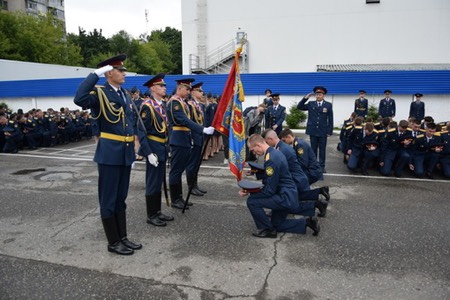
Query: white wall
x: 295, y: 36
x: 42, y: 103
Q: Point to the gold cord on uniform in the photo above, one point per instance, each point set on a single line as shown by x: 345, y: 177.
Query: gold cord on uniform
x: 105, y: 106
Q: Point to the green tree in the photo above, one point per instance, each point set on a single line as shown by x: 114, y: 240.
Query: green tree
x: 373, y: 112
x: 172, y: 37
x: 91, y: 44
x: 295, y: 117
x: 37, y: 39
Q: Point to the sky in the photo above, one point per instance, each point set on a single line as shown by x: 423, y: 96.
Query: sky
x: 114, y: 15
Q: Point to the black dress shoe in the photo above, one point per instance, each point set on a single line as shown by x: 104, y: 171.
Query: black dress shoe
x: 313, y: 223
x: 164, y: 217
x: 130, y: 244
x: 365, y: 173
x: 155, y: 220
x: 325, y: 191
x: 430, y: 175
x: 119, y: 248
x: 178, y: 203
x: 322, y: 206
x: 201, y: 190
x: 196, y: 192
x: 324, y: 170
x: 265, y: 233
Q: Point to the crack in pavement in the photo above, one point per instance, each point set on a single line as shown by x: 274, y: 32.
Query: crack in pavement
x: 76, y: 221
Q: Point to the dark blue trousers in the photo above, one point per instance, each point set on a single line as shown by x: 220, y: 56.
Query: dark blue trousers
x: 178, y: 163
x: 319, y: 144
x: 278, y: 220
x: 194, y: 161
x: 154, y: 177
x: 113, y: 183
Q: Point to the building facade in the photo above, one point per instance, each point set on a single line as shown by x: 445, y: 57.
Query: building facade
x: 36, y: 7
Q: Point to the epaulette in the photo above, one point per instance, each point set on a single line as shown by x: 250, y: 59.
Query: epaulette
x: 381, y: 131
x: 392, y: 129
x: 29, y: 121
x: 420, y: 136
x: 267, y: 156
x: 444, y: 132
x: 351, y: 123
x: 295, y: 143
x: 11, y: 122
x: 349, y: 127
x: 437, y: 133
x: 46, y: 116
x: 409, y: 129
x: 358, y: 127
x: 35, y: 118
x: 99, y: 86
x: 376, y: 124
x: 422, y: 130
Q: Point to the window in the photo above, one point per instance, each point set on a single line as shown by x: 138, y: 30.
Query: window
x: 4, y: 5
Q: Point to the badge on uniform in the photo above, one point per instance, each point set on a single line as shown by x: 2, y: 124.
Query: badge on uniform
x: 300, y: 151
x: 325, y: 110
x: 269, y: 171
x: 176, y: 107
x: 144, y: 114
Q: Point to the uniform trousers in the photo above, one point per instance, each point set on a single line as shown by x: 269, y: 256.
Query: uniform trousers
x: 178, y: 163
x: 113, y: 183
x: 154, y: 177
x: 278, y: 220
x: 319, y: 143
x: 194, y: 161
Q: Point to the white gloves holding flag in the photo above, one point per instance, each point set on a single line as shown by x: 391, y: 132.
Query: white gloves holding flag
x: 208, y: 130
x: 103, y: 70
x: 153, y: 159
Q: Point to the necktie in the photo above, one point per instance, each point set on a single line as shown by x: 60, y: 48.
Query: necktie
x: 121, y: 95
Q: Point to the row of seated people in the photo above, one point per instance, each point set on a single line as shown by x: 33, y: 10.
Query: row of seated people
x: 421, y: 147
x: 38, y: 128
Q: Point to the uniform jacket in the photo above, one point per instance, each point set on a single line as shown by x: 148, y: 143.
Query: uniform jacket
x: 299, y: 177
x: 275, y: 117
x: 178, y: 113
x: 307, y: 158
x: 445, y: 139
x: 320, y: 120
x: 278, y: 183
x: 154, y: 118
x: 417, y: 110
x: 386, y: 108
x: 361, y: 107
x: 196, y: 115
x: 108, y: 152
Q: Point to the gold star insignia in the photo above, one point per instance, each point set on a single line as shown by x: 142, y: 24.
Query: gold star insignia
x: 269, y: 171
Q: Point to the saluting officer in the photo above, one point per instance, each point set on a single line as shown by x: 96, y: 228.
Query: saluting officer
x: 275, y: 114
x: 417, y: 108
x: 320, y: 122
x: 361, y: 105
x: 111, y: 107
x: 387, y: 106
x: 197, y: 112
x: 153, y: 139
x: 180, y: 138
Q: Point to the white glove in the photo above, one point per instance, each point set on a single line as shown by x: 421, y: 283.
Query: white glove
x: 153, y: 159
x: 208, y: 130
x: 103, y: 70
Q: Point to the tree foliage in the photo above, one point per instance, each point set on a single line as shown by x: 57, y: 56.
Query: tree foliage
x: 43, y: 39
x: 295, y: 117
x: 39, y: 39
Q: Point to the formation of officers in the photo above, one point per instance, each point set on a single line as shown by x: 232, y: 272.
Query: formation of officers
x: 418, y: 145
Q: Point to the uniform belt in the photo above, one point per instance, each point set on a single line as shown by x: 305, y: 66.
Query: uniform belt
x: 157, y: 139
x: 180, y: 128
x: 116, y: 137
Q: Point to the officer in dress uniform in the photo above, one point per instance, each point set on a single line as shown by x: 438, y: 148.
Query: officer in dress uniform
x: 320, y: 122
x: 180, y: 139
x: 361, y: 105
x: 112, y: 109
x: 275, y: 114
x: 308, y: 199
x: 417, y: 108
x: 279, y: 194
x: 197, y: 111
x: 153, y: 141
x: 387, y: 106
x: 445, y: 156
x: 305, y: 155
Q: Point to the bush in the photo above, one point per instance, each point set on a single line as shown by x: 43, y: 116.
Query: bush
x: 373, y: 112
x: 295, y: 117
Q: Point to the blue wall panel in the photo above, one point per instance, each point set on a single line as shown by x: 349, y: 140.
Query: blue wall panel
x: 400, y: 82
